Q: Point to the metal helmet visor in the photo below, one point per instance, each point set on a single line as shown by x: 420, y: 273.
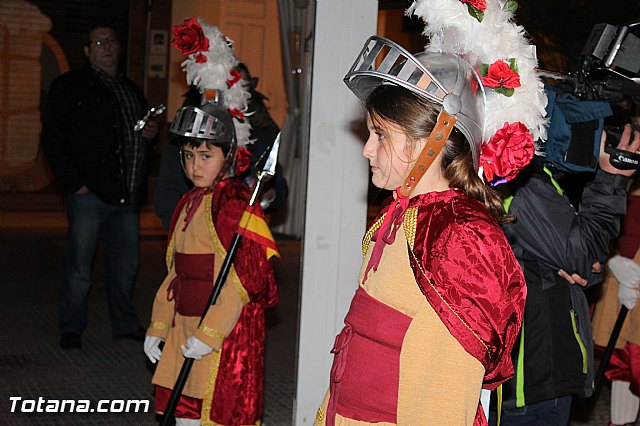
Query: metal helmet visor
x: 442, y: 78
x: 194, y: 122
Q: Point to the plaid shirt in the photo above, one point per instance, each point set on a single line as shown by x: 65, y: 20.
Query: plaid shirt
x: 131, y: 111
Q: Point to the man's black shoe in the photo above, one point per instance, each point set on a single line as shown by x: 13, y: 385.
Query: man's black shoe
x: 137, y: 335
x: 70, y: 341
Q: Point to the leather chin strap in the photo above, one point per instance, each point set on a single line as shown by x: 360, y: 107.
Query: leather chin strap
x: 435, y: 142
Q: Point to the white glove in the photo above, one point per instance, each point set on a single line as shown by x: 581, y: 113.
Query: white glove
x: 627, y: 273
x: 152, y: 349
x: 195, y: 348
x: 628, y: 297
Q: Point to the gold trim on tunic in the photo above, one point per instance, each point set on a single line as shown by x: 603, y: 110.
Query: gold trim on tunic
x: 366, y: 240
x: 410, y: 224
x: 170, y: 251
x: 159, y: 325
x: 207, y: 398
x: 244, y: 296
x: 212, y: 332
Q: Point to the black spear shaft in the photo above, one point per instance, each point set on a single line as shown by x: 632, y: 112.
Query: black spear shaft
x: 615, y: 333
x: 188, y: 362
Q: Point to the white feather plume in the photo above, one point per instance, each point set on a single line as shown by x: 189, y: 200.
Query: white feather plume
x: 214, y: 74
x: 451, y: 28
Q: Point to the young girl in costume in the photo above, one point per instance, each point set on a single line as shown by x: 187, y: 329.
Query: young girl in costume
x: 225, y: 385
x: 441, y: 295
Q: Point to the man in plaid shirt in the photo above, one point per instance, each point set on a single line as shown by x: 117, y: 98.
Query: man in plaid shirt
x: 100, y: 163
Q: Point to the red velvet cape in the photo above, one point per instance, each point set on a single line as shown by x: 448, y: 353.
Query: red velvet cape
x: 238, y: 395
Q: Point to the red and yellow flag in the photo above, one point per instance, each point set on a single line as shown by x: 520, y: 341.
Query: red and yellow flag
x: 254, y: 227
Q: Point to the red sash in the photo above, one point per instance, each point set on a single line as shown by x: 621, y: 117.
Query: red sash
x: 366, y: 367
x: 192, y: 285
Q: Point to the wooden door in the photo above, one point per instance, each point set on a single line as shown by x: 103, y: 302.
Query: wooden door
x: 254, y: 26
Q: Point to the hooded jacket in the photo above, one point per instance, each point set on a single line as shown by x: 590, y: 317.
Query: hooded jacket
x: 553, y: 355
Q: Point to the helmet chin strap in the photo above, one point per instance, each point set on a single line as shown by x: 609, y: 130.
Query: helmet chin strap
x: 393, y: 218
x: 435, y: 142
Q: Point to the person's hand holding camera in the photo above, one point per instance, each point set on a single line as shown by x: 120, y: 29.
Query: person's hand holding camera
x: 629, y: 141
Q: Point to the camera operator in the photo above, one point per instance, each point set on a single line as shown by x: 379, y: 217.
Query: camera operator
x: 561, y: 251
x: 621, y: 288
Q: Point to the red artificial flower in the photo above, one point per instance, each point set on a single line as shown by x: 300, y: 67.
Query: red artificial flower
x: 476, y: 8
x: 235, y: 112
x: 235, y: 77
x: 189, y: 38
x: 200, y: 58
x: 478, y: 4
x: 500, y: 74
x: 243, y: 160
x: 508, y: 151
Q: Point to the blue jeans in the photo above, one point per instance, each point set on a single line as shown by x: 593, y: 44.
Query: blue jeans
x: 90, y: 220
x: 552, y: 412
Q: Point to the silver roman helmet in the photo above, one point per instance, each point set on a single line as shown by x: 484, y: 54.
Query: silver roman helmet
x: 442, y: 78
x: 212, y: 122
x: 208, y: 121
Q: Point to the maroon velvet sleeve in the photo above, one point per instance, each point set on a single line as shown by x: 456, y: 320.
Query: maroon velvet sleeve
x: 229, y: 201
x: 472, y: 280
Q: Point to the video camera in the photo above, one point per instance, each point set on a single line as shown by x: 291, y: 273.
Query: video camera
x: 609, y: 67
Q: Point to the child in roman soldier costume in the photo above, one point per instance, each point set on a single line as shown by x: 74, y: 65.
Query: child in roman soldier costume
x: 225, y: 386
x: 441, y: 295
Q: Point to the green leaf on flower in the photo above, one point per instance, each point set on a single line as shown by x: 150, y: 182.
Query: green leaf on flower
x: 504, y: 91
x: 476, y: 13
x: 513, y: 65
x: 484, y: 69
x: 511, y: 6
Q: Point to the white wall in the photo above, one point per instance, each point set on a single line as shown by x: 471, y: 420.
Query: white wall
x: 336, y: 205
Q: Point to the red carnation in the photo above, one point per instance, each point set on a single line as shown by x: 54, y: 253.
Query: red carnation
x: 501, y: 76
x: 508, y: 151
x: 189, y: 38
x: 478, y: 4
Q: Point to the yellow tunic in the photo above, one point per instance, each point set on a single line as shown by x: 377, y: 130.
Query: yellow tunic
x: 199, y: 238
x: 439, y: 381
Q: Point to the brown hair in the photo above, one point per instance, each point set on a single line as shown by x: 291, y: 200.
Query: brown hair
x: 416, y: 117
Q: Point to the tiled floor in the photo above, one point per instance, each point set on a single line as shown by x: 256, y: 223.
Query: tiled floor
x: 32, y: 365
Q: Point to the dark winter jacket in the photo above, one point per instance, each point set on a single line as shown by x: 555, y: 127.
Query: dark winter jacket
x: 82, y: 138
x: 554, y: 354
